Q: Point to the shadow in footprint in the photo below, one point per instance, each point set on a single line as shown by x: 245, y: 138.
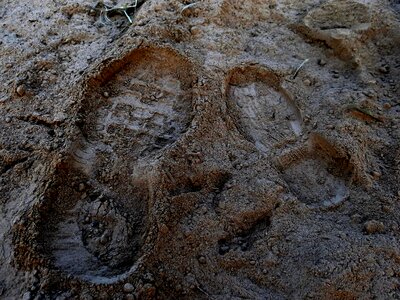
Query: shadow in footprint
x: 263, y: 111
x: 244, y: 240
x: 89, y: 233
x: 318, y: 174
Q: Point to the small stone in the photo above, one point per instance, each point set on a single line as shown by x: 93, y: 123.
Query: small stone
x: 389, y: 272
x: 376, y: 175
x: 106, y: 94
x: 321, y: 62
x: 384, y: 69
x: 252, y: 262
x: 104, y: 238
x: 8, y: 119
x: 374, y: 226
x: 387, y: 209
x: 330, y: 126
x: 81, y: 187
x: 26, y: 296
x: 128, y: 288
x: 387, y: 106
x: 202, y: 260
x: 356, y: 218
x: 129, y: 297
x: 21, y: 90
x: 164, y: 229
x: 195, y: 30
x: 307, y: 82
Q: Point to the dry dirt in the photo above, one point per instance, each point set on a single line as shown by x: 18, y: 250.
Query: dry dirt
x: 218, y: 149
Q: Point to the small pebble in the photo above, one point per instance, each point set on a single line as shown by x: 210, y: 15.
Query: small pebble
x: 374, y: 226
x: 81, y: 187
x: 356, y: 218
x: 390, y: 272
x: 106, y: 94
x: 8, y: 119
x: 202, y: 260
x: 307, y: 82
x: 104, y: 239
x: 387, y: 209
x: 164, y: 229
x: 128, y: 288
x: 376, y: 175
x: 26, y: 296
x: 195, y: 30
x: 387, y: 106
x: 321, y: 62
x: 384, y: 69
x: 21, y: 90
x: 129, y: 297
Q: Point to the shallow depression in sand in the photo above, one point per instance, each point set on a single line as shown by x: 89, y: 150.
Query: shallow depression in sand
x: 263, y: 111
x: 147, y: 108
x: 100, y: 228
x: 313, y: 184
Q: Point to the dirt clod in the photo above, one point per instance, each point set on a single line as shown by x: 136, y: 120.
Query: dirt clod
x: 21, y: 90
x: 128, y: 288
x: 374, y: 226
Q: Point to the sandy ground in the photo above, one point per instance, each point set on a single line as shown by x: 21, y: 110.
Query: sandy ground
x: 218, y: 149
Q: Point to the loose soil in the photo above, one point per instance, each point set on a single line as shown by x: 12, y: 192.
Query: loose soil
x: 217, y: 149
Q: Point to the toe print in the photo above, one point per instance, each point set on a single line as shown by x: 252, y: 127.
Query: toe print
x: 318, y: 174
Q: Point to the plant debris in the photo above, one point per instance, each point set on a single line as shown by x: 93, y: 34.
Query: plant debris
x: 126, y: 9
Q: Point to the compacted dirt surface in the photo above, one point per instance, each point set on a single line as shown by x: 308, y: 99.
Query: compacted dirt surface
x: 218, y: 149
